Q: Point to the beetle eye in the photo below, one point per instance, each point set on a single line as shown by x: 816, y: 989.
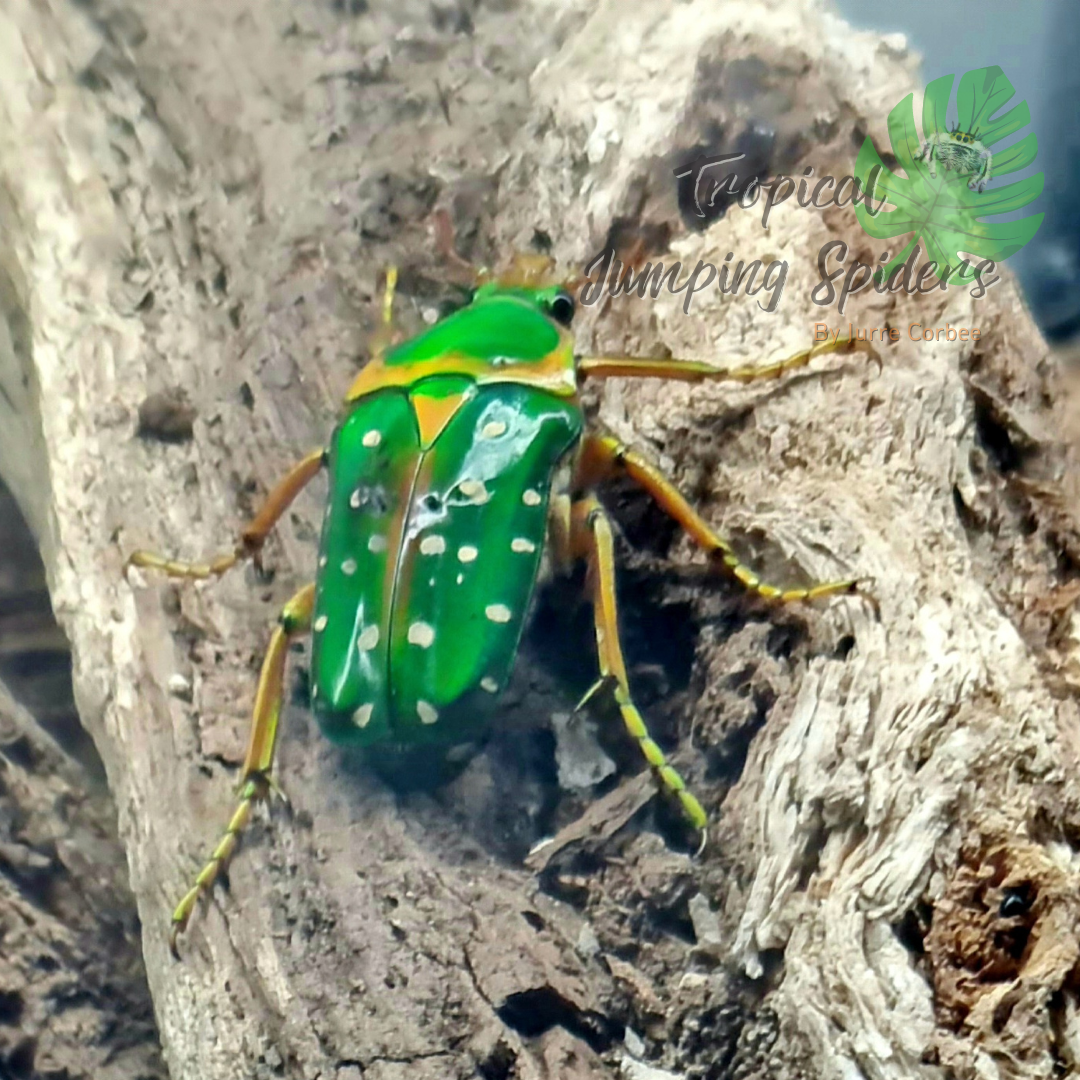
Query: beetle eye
x: 562, y: 308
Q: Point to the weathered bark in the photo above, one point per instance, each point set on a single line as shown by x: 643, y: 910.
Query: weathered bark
x: 73, y: 995
x: 199, y: 197
x: 35, y: 661
x: 74, y: 1001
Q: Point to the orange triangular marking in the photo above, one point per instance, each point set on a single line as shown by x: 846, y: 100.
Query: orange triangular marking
x: 433, y: 414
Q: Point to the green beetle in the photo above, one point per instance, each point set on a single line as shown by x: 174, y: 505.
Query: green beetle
x: 462, y: 459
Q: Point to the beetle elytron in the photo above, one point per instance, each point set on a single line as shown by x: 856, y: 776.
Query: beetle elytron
x: 462, y: 457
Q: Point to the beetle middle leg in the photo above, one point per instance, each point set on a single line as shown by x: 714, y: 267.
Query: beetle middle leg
x: 252, y: 538
x: 586, y: 534
x: 255, y: 783
x: 606, y: 456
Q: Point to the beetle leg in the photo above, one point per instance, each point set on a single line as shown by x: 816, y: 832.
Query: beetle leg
x: 603, y: 683
x: 252, y: 538
x: 606, y: 367
x: 559, y: 519
x: 255, y: 783
x: 604, y: 455
x: 591, y: 539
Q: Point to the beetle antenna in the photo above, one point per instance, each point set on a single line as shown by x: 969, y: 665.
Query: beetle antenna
x: 444, y: 244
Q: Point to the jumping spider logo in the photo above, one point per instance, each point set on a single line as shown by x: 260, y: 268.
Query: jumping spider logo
x: 959, y: 150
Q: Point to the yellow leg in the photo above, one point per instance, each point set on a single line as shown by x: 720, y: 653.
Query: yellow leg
x: 255, y: 780
x: 605, y: 456
x: 383, y: 338
x: 388, y: 296
x: 606, y: 367
x: 591, y: 538
x: 252, y: 538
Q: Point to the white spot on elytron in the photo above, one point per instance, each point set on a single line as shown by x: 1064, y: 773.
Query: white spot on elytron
x: 497, y: 612
x: 421, y: 634
x: 354, y: 499
x: 521, y: 545
x: 467, y: 553
x: 489, y: 684
x: 368, y: 639
x: 432, y: 545
x: 474, y: 491
x: 493, y: 430
x: 377, y: 544
x: 428, y: 713
x: 362, y: 717
x: 460, y: 578
x: 348, y: 567
x: 320, y: 623
x: 531, y: 497
x: 323, y: 560
x: 371, y: 438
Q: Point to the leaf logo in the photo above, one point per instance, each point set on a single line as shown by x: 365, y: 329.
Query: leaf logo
x: 943, y: 198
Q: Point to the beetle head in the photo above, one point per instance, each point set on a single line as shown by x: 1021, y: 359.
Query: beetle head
x: 528, y: 275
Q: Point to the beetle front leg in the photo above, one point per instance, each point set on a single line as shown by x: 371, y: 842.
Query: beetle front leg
x: 255, y: 782
x: 591, y: 539
x: 605, y: 456
x: 252, y: 538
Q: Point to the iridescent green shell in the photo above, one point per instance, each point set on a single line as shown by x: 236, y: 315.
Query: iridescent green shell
x: 434, y: 531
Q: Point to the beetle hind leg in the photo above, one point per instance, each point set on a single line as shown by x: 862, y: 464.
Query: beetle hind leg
x: 255, y: 781
x: 591, y: 538
x: 251, y: 539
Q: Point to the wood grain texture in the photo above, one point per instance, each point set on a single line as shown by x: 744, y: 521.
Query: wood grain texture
x: 197, y: 200
x: 73, y: 995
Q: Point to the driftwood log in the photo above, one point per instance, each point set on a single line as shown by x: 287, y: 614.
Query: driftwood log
x: 73, y: 994
x: 196, y: 204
